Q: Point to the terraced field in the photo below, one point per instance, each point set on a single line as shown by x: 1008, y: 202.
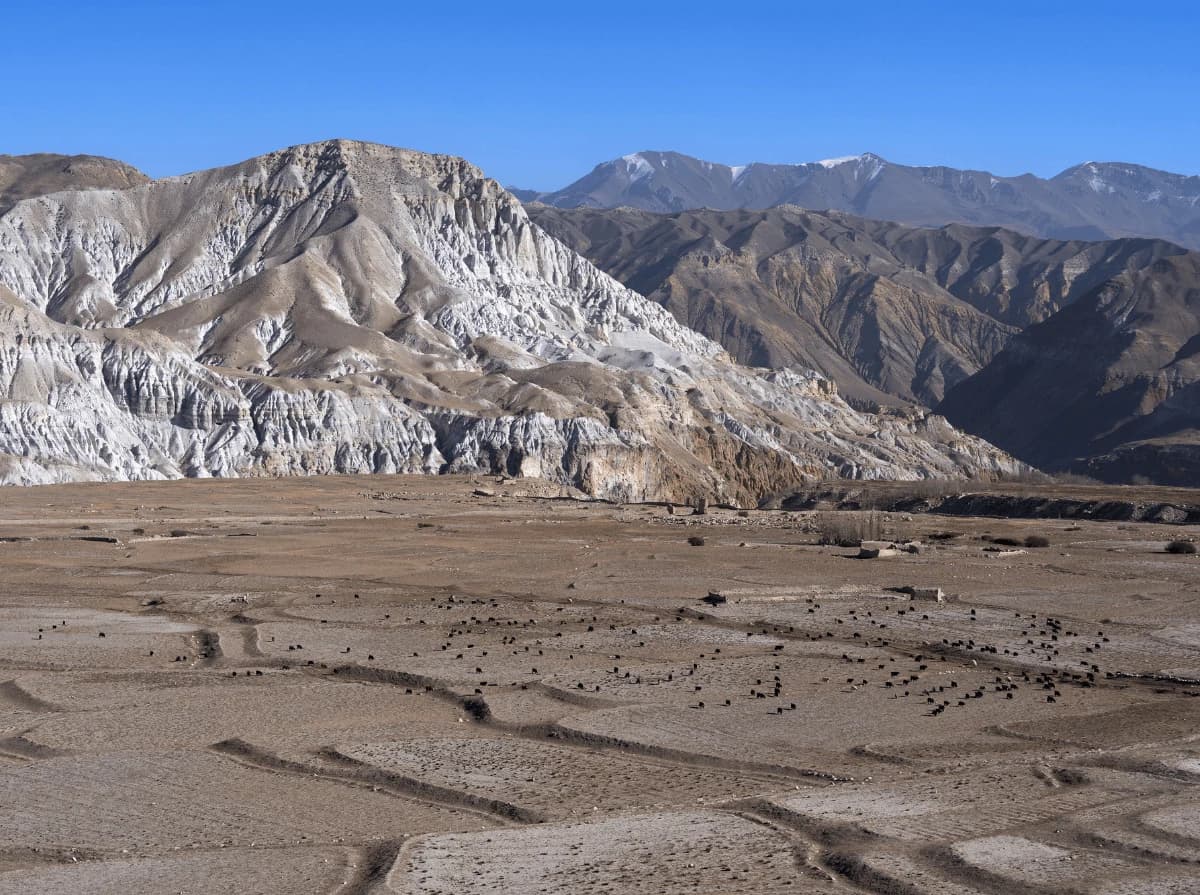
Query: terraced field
x: 460, y: 685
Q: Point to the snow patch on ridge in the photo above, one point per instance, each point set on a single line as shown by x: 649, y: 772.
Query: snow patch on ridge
x: 1096, y: 182
x: 836, y: 162
x: 636, y: 166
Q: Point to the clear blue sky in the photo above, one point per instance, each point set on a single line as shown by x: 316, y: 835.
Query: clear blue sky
x: 537, y: 93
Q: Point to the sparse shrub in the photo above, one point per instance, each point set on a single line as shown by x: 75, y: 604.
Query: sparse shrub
x: 944, y: 535
x: 1031, y: 476
x: 696, y: 540
x: 849, y: 529
x: 1075, y: 478
x: 1004, y: 542
x: 1182, y: 548
x: 929, y: 489
x: 1037, y: 541
x: 477, y: 708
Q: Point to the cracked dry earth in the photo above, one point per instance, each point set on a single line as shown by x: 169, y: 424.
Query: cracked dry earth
x: 398, y: 685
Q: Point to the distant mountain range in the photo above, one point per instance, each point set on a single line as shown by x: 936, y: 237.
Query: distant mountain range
x: 348, y: 307
x: 1094, y: 200
x: 1072, y: 355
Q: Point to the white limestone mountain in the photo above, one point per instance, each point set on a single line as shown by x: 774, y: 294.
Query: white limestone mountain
x: 350, y: 307
x: 1095, y: 200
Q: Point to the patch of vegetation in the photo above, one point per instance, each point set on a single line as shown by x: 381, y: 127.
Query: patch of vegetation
x: 1037, y: 541
x: 1030, y: 476
x: 928, y: 490
x: 849, y: 529
x: 1181, y: 548
x: 696, y: 540
x: 477, y: 708
x: 1004, y: 542
x: 944, y: 535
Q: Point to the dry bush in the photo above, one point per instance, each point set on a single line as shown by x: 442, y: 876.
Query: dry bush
x: 1182, y: 548
x: 477, y: 708
x: 1075, y: 478
x: 930, y: 489
x: 1037, y: 541
x: 1028, y: 476
x: 1003, y: 542
x: 849, y: 529
x: 696, y: 541
x: 944, y: 535
x: 1029, y: 481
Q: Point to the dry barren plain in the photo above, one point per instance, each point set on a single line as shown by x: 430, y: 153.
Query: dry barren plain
x: 469, y: 685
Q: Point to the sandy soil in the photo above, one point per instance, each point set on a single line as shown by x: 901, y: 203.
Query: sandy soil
x: 397, y: 684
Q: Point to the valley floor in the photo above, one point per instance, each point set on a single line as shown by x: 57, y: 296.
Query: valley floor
x: 462, y: 685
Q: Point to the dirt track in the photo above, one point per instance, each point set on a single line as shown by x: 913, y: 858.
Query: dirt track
x: 396, y: 685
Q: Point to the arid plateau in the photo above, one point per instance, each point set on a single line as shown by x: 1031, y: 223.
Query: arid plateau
x: 469, y: 684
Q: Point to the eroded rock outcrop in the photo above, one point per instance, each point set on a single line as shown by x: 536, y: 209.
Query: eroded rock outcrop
x: 347, y: 307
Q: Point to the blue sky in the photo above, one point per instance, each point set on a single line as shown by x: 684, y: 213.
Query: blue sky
x: 537, y: 93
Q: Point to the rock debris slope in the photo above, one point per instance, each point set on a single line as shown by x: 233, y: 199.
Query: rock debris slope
x: 349, y: 307
x: 1094, y: 200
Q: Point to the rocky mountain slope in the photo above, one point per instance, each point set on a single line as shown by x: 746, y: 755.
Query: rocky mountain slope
x: 1109, y: 386
x: 348, y: 307
x: 891, y: 312
x: 885, y: 311
x: 23, y: 176
x: 1094, y: 200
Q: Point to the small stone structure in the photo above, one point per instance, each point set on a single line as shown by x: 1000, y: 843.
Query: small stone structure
x: 936, y: 594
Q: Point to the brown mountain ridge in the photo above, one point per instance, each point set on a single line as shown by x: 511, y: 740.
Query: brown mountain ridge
x: 1006, y: 334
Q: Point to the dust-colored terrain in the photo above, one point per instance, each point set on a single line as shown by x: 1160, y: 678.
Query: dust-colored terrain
x: 459, y: 685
